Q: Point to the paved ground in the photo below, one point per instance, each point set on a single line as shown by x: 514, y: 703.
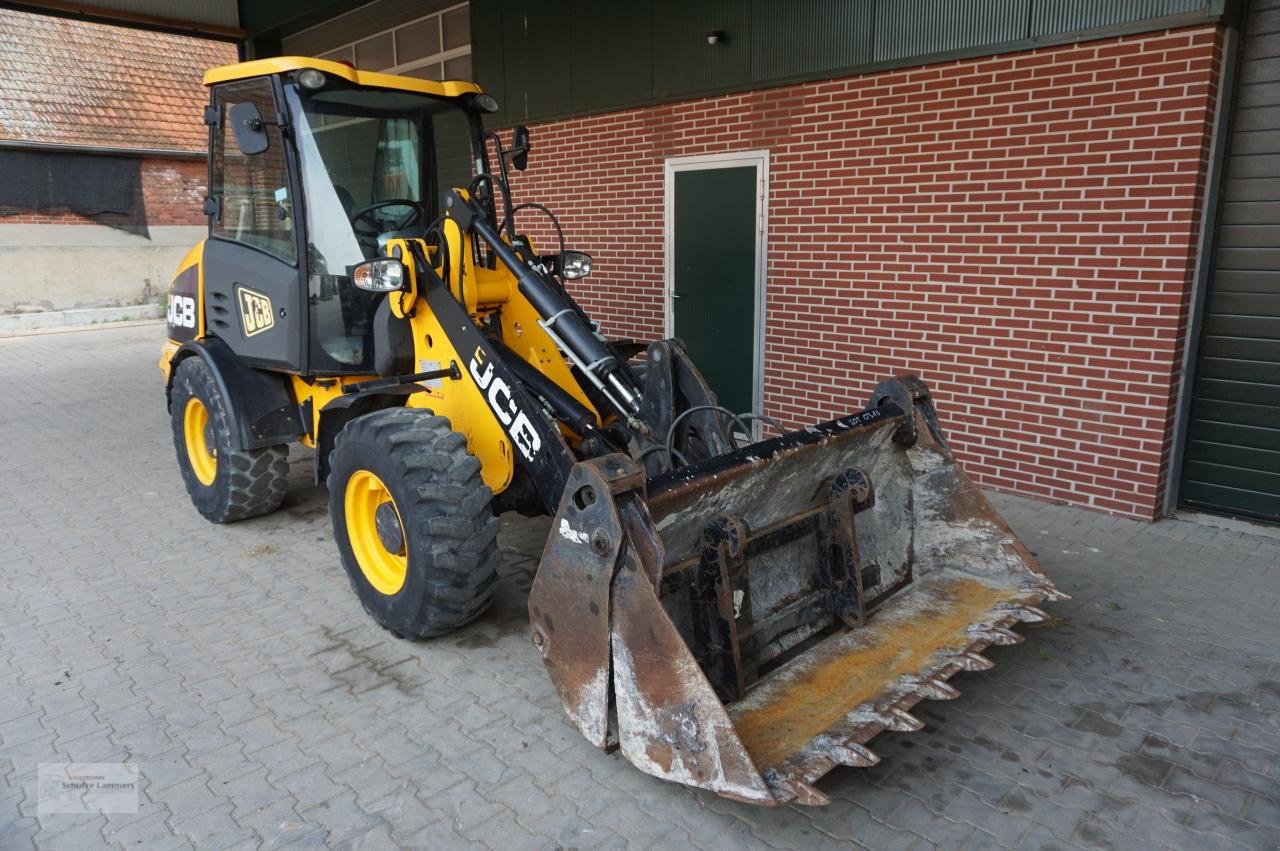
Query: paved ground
x: 234, y: 665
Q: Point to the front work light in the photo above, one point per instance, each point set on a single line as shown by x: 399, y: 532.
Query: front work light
x: 311, y: 78
x: 383, y: 275
x: 575, y: 264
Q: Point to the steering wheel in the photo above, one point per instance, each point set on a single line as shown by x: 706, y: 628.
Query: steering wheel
x: 364, y: 215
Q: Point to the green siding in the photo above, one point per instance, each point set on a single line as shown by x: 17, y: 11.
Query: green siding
x: 616, y: 36
x: 683, y: 62
x: 784, y: 40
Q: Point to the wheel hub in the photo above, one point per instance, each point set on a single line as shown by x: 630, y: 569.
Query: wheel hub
x: 387, y: 523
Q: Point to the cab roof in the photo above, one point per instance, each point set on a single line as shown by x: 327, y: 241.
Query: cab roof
x: 372, y: 79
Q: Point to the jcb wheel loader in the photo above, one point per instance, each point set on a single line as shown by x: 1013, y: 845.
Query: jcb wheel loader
x: 735, y: 616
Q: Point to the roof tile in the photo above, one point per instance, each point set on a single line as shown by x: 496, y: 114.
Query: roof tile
x: 72, y: 82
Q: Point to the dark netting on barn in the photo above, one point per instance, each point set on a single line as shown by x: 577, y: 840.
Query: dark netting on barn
x: 106, y: 189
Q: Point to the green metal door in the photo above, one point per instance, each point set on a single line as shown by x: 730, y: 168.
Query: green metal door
x: 714, y: 230
x: 1232, y: 459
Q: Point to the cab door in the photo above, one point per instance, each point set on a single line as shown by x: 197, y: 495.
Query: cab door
x: 254, y: 293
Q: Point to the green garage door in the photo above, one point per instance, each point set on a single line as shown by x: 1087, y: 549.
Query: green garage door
x: 1233, y: 441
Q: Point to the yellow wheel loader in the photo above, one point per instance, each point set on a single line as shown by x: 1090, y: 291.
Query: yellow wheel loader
x: 737, y: 616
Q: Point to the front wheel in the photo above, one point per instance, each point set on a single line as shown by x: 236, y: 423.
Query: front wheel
x: 225, y: 484
x: 413, y: 521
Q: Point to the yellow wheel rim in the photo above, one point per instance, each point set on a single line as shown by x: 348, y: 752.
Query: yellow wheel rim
x: 201, y: 450
x: 382, y: 556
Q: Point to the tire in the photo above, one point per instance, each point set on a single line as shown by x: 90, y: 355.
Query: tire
x: 413, y: 522
x: 225, y: 484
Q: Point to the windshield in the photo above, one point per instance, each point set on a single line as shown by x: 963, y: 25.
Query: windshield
x: 374, y: 164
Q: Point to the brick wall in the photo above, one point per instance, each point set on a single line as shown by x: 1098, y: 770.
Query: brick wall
x: 173, y: 191
x: 1019, y: 230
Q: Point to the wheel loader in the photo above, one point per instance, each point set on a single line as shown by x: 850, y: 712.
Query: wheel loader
x: 733, y: 614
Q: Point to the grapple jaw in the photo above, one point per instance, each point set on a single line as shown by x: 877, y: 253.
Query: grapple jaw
x: 747, y: 623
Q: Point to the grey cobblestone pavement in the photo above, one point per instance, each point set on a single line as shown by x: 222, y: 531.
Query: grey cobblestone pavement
x: 263, y: 708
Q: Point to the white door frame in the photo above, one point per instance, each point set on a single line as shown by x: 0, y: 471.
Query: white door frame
x: 759, y: 160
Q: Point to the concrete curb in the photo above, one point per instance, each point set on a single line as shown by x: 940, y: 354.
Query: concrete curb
x: 25, y: 323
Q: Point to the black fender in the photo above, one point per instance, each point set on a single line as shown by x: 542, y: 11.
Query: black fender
x: 260, y: 404
x: 343, y: 409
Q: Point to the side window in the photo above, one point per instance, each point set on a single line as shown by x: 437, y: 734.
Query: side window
x: 254, y: 190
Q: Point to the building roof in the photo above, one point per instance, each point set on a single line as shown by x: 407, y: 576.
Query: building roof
x: 71, y: 82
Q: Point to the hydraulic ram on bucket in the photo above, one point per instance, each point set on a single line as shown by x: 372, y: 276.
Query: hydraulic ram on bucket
x: 746, y: 623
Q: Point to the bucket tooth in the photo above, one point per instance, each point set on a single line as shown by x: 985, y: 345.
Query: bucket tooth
x: 854, y: 755
x: 900, y: 720
x: 995, y: 634
x: 973, y: 662
x: 1024, y: 613
x: 935, y: 690
x: 1049, y: 594
x: 787, y: 789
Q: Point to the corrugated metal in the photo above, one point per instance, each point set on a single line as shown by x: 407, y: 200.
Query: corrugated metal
x: 617, y: 36
x: 1233, y: 440
x: 218, y: 13
x: 1054, y: 16
x: 924, y: 27
x: 379, y: 16
x: 536, y: 59
x: 683, y: 62
x: 785, y: 42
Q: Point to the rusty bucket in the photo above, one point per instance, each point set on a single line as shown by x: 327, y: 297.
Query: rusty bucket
x: 747, y: 623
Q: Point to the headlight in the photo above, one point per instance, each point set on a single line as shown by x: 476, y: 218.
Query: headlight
x: 379, y: 276
x: 575, y: 264
x: 486, y: 102
x: 311, y: 78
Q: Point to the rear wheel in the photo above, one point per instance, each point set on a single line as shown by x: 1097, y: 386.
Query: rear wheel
x: 413, y: 521
x: 225, y: 484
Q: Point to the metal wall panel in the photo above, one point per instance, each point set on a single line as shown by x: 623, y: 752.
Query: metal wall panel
x: 925, y: 27
x: 809, y: 36
x: 1055, y: 16
x: 536, y: 59
x: 683, y: 62
x: 616, y: 36
x: 1232, y: 460
x: 220, y: 13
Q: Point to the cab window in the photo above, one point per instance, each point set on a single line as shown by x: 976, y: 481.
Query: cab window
x: 253, y: 191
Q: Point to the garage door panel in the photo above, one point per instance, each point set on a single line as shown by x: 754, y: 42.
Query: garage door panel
x: 1207, y: 495
x: 1252, y: 190
x: 1261, y: 71
x: 1232, y: 434
x: 1240, y: 348
x: 1245, y: 478
x: 1249, y: 236
x: 1245, y: 304
x: 1244, y: 393
x: 1228, y: 455
x: 1257, y: 94
x: 1246, y: 166
x: 1232, y: 369
x: 1249, y: 258
x: 1250, y: 213
x: 1252, y: 144
x: 1256, y: 327
x: 1246, y: 281
x: 1254, y: 416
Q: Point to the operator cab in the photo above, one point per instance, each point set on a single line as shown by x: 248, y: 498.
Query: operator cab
x: 369, y: 157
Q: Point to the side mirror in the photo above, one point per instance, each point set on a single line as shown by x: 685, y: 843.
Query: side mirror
x: 250, y: 129
x: 520, y: 148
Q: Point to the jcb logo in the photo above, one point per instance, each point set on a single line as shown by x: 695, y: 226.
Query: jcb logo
x: 255, y: 312
x: 182, y: 311
x: 498, y: 394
